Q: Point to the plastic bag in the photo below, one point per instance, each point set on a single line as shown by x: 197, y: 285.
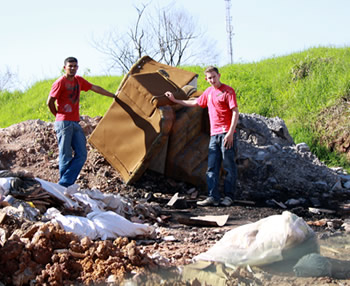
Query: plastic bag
x: 100, y: 224
x: 111, y: 225
x: 78, y: 225
x: 262, y: 242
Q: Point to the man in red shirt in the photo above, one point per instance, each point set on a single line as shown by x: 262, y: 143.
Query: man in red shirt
x: 63, y: 102
x: 223, y: 115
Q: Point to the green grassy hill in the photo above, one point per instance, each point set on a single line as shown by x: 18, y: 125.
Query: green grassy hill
x: 297, y: 88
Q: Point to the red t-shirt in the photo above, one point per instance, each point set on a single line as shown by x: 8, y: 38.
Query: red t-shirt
x: 220, y: 103
x: 67, y: 94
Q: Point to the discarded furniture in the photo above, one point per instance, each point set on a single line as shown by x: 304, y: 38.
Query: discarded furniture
x: 143, y: 129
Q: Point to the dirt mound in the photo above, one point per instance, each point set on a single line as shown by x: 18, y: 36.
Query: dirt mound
x: 334, y: 127
x: 66, y: 258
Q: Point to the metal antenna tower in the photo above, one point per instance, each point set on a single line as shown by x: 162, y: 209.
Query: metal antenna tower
x: 229, y: 30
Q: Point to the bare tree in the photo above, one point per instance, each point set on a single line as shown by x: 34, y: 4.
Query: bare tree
x: 123, y: 50
x: 7, y: 79
x: 171, y: 37
x: 175, y: 32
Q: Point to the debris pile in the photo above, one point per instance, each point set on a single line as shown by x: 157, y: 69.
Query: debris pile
x: 268, y: 185
x: 272, y: 168
x: 46, y: 254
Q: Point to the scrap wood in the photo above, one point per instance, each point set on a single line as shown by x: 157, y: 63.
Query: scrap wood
x: 318, y: 211
x: 330, y: 249
x: 177, y: 202
x: 321, y: 222
x: 2, y: 216
x: 173, y: 200
x: 39, y: 195
x: 244, y: 202
x: 71, y: 252
x: 36, y: 202
x: 205, y: 220
x: 282, y: 205
x: 344, y: 208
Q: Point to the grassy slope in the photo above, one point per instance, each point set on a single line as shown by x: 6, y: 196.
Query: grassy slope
x: 295, y: 88
x: 20, y: 106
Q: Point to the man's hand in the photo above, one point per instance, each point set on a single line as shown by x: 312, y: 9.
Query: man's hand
x: 228, y: 141
x: 170, y: 95
x: 188, y: 102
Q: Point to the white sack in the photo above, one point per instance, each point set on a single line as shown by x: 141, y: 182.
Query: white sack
x: 117, y: 203
x: 78, y: 225
x: 88, y: 201
x: 100, y: 201
x: 261, y: 242
x: 99, y: 224
x: 111, y: 225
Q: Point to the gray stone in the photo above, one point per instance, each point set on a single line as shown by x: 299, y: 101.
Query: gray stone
x: 292, y: 202
x: 347, y: 185
x: 303, y: 147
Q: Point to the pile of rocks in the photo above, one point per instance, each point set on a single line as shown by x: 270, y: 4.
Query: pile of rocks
x: 273, y: 167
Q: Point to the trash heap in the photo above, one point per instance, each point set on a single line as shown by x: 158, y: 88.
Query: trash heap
x: 73, y: 236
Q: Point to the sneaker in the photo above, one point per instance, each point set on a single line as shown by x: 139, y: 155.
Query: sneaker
x: 209, y: 201
x: 227, y: 201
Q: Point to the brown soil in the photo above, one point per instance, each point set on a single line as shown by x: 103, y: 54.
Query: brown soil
x: 31, y: 146
x: 334, y: 127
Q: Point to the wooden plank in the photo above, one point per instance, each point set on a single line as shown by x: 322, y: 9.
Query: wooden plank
x: 205, y: 220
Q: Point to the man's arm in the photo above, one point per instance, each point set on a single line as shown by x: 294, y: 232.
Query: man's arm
x: 228, y: 140
x: 189, y: 102
x: 102, y: 91
x: 51, y: 104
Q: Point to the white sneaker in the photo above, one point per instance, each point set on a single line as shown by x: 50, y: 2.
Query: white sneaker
x: 209, y: 201
x: 227, y: 201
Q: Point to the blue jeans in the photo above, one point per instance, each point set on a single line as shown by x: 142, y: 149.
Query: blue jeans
x: 70, y: 138
x: 219, y: 154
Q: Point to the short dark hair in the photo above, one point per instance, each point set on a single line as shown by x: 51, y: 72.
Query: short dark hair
x: 211, y: 69
x: 70, y: 60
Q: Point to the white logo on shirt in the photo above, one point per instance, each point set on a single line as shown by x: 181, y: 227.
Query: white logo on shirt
x: 67, y: 108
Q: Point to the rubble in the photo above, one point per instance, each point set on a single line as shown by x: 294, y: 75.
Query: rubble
x: 46, y: 254
x: 266, y: 174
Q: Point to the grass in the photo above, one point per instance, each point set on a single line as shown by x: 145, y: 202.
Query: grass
x: 31, y: 104
x: 296, y: 88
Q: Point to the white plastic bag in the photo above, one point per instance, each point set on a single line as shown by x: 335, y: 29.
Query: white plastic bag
x: 100, y: 201
x: 99, y: 224
x: 85, y: 199
x: 111, y: 225
x: 261, y: 242
x: 78, y: 225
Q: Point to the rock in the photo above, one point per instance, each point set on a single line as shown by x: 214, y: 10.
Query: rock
x: 292, y: 202
x: 313, y: 265
x: 347, y: 185
x: 303, y: 147
x: 337, y: 186
x: 346, y: 226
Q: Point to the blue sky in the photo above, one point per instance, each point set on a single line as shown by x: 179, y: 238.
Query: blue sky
x: 37, y: 35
